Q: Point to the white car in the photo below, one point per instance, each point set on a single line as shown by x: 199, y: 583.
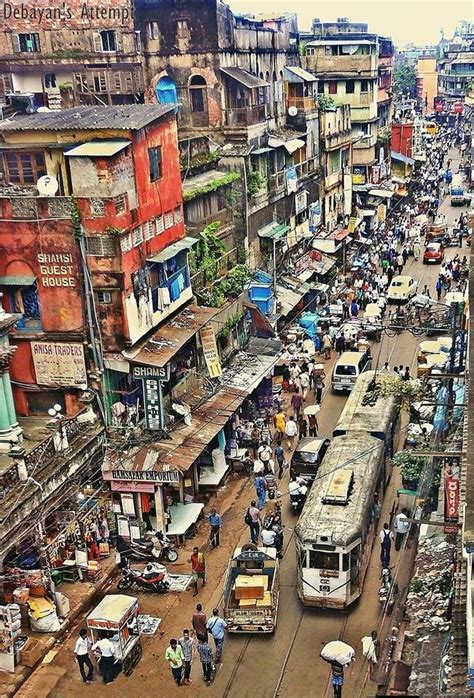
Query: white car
x: 402, y: 288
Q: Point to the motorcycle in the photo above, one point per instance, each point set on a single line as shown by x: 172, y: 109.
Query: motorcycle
x: 158, y: 548
x: 388, y: 590
x: 153, y: 578
x: 298, y: 497
x: 272, y: 537
x: 271, y: 486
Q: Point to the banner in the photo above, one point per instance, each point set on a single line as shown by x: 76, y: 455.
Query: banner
x: 451, y: 494
x: 59, y: 363
x: 301, y: 201
x: 209, y: 348
x: 314, y: 216
x: 291, y: 180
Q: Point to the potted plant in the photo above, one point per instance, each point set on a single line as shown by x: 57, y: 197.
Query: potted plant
x: 411, y: 467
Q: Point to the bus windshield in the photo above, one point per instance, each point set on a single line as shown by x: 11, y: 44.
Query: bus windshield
x: 323, y: 560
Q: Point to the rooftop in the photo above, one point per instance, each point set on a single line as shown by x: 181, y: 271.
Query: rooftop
x: 125, y: 116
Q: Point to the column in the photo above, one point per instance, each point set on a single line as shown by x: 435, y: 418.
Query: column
x: 5, y: 427
x: 160, y: 517
x: 7, y: 389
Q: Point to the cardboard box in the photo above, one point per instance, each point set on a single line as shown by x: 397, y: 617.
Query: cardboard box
x: 247, y: 603
x: 266, y: 601
x: 31, y: 653
x: 245, y: 593
x: 250, y: 587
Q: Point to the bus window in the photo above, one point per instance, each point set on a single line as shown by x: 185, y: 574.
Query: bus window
x: 323, y: 561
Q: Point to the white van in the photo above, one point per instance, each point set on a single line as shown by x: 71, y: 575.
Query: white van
x: 348, y: 368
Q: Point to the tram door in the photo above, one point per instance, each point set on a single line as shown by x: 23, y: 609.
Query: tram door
x: 354, y: 562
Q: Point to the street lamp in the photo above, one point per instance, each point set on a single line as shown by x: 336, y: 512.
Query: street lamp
x: 60, y: 440
x: 87, y: 397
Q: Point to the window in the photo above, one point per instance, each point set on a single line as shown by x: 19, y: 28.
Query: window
x: 149, y: 230
x: 364, y: 85
x: 197, y: 90
x: 152, y: 30
x: 350, y: 87
x: 125, y: 242
x: 160, y: 224
x: 26, y: 43
x: 49, y: 80
x: 100, y: 246
x: 97, y: 208
x: 332, y: 87
x: 81, y: 82
x: 108, y: 40
x: 323, y: 561
x: 120, y: 203
x: 178, y: 215
x: 24, y: 168
x: 137, y: 236
x: 104, y: 297
x: 25, y: 300
x: 154, y: 159
x: 99, y: 81
x: 169, y: 222
x: 6, y: 84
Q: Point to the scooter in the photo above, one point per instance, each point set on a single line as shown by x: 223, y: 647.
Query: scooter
x: 388, y: 590
x: 153, y: 578
x: 271, y: 486
x: 297, y: 501
x: 158, y: 548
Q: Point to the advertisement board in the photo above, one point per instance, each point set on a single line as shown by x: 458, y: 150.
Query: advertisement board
x: 209, y: 348
x: 59, y: 363
x: 451, y: 494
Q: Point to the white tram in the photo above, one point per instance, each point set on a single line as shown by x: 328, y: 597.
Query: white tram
x: 336, y: 529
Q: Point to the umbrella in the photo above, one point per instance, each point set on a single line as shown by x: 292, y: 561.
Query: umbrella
x: 430, y: 347
x: 312, y: 409
x: 338, y: 651
x: 372, y: 310
x: 436, y: 359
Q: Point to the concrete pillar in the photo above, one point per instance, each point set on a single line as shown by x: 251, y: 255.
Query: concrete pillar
x: 7, y: 390
x: 5, y: 426
x: 160, y: 514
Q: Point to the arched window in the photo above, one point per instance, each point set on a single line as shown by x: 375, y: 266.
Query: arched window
x: 198, y: 101
x: 166, y: 91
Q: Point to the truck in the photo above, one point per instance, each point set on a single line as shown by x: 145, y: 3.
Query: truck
x: 251, y: 590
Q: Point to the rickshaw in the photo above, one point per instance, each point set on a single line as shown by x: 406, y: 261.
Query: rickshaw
x: 118, y: 614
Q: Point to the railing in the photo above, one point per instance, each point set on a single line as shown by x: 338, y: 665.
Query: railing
x: 330, y: 180
x: 305, y: 104
x: 336, y: 139
x: 307, y: 168
x: 246, y: 116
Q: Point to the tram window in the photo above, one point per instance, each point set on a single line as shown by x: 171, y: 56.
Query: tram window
x: 345, y: 562
x: 303, y: 558
x: 323, y: 561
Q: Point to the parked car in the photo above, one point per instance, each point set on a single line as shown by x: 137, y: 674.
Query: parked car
x: 402, y: 288
x: 434, y: 253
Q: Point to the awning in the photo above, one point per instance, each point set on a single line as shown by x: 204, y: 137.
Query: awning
x: 246, y: 79
x: 291, y: 145
x: 383, y: 193
x: 367, y: 212
x: 307, y: 274
x: 293, y: 73
x: 261, y: 151
x: 98, y: 149
x: 399, y: 180
x: 286, y: 300
x: 324, y: 265
x: 401, y: 158
x: 173, y: 250
x: 171, y: 336
x: 274, y: 230
x: 19, y: 280
x: 330, y: 245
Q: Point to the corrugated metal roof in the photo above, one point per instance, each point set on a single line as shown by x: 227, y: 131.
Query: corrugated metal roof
x: 402, y: 158
x: 300, y: 73
x: 287, y: 300
x: 172, y: 250
x: 246, y: 79
x: 97, y: 149
x: 124, y: 116
x: 273, y: 230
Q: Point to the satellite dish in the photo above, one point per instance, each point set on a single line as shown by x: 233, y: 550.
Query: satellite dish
x: 292, y: 111
x: 47, y: 185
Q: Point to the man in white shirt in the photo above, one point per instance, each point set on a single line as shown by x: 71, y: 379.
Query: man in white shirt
x: 81, y: 650
x: 107, y: 653
x: 264, y: 454
x: 304, y: 383
x: 291, y: 430
x: 401, y: 527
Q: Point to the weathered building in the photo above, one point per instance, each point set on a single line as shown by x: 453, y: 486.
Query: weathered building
x: 455, y: 70
x: 426, y: 84
x: 65, y: 55
x: 336, y: 152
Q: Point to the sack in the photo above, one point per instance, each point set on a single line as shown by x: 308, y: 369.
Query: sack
x: 248, y: 518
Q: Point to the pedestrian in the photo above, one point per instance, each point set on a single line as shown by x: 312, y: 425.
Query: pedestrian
x: 400, y: 263
x: 253, y: 520
x: 354, y: 309
x: 280, y: 458
x: 406, y: 375
x: 205, y: 655
x: 199, y: 621
x: 187, y: 645
x: 216, y: 627
x: 313, y: 425
x: 426, y: 291
x: 302, y: 427
x: 255, y: 440
x: 285, y: 374
x: 81, y: 650
x: 215, y: 522
x: 294, y: 374
x: 280, y: 423
x: 291, y: 430
x: 386, y: 537
x: 296, y: 403
x: 337, y: 678
x: 260, y: 489
x: 318, y: 388
x: 385, y: 368
x: 258, y: 467
x: 371, y: 649
x: 401, y: 527
x: 326, y: 346
x: 198, y: 568
x: 106, y: 649
x: 340, y: 344
x: 175, y: 658
x: 416, y: 250
x: 264, y: 454
x: 439, y: 288
x: 304, y: 383
x: 404, y: 255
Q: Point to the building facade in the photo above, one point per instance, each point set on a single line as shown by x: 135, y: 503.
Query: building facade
x: 336, y: 150
x: 426, y: 84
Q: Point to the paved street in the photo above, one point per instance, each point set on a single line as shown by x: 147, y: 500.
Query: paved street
x: 286, y: 663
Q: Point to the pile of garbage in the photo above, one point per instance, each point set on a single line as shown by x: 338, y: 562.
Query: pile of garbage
x: 428, y: 602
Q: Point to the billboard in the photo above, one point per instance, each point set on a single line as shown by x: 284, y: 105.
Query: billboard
x: 59, y: 363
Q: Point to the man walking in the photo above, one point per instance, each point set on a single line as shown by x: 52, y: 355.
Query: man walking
x: 81, y: 650
x: 215, y: 523
x: 187, y: 644
x: 280, y: 458
x: 106, y: 650
x: 386, y: 537
x: 260, y: 491
x: 216, y: 627
x: 291, y: 430
x: 175, y: 658
x: 318, y: 388
x: 401, y: 527
x: 198, y: 568
x: 205, y: 655
x: 296, y: 403
x: 253, y: 519
x: 199, y: 621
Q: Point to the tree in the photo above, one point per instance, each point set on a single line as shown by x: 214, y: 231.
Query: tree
x: 404, y: 80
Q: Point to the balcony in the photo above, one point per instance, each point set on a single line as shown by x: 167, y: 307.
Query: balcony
x: 174, y: 287
x: 333, y: 179
x: 357, y: 66
x: 308, y: 168
x: 337, y: 140
x: 246, y: 116
x: 308, y: 105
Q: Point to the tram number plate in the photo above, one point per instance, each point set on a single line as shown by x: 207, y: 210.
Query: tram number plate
x: 324, y: 588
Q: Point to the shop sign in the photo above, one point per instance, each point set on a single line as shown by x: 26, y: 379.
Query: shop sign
x: 301, y: 202
x: 127, y: 486
x: 358, y: 175
x: 56, y: 270
x: 209, y: 348
x: 451, y: 491
x: 152, y: 399
x: 457, y: 107
x: 59, y: 363
x: 146, y: 475
x: 161, y: 373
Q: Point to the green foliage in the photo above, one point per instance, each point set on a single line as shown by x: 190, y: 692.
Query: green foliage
x: 230, y: 286
x: 113, y: 230
x: 411, y: 465
x: 211, y: 186
x: 200, y: 160
x: 254, y: 182
x: 326, y: 103
x: 406, y: 392
x: 230, y: 323
x: 242, y: 255
x: 77, y: 231
x: 404, y: 79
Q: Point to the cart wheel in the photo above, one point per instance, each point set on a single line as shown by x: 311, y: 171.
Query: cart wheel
x: 136, y: 654
x: 127, y: 666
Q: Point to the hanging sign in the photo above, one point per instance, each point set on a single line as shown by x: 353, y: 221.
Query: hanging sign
x: 59, y: 363
x: 152, y: 399
x: 209, y: 348
x: 451, y: 494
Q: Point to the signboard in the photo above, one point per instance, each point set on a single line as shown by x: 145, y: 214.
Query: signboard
x: 314, y: 216
x: 301, y: 202
x: 457, y: 108
x: 358, y: 174
x: 56, y: 270
x: 451, y: 491
x: 291, y: 179
x: 59, y: 363
x: 152, y: 399
x: 209, y: 348
x: 161, y: 373
x: 146, y: 475
x: 126, y: 486
x: 128, y: 504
